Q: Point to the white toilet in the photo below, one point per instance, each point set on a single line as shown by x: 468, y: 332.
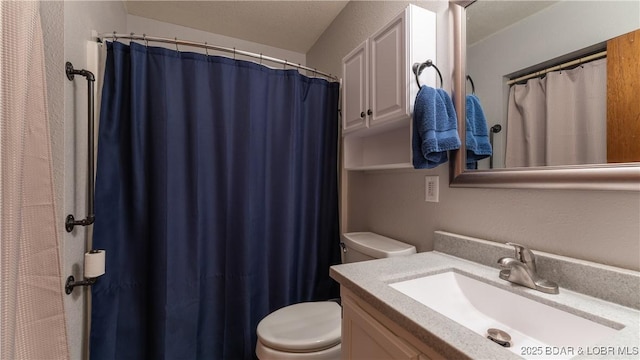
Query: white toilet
x: 311, y: 330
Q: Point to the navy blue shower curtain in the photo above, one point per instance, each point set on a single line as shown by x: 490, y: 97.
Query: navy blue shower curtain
x: 216, y: 201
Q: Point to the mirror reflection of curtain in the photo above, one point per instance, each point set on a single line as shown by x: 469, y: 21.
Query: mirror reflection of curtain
x: 559, y: 119
x: 32, y: 318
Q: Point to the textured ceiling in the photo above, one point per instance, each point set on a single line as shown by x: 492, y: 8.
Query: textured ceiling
x: 297, y: 24
x: 486, y: 17
x: 291, y: 25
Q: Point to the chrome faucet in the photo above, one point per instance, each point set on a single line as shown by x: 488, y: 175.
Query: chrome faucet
x: 522, y: 271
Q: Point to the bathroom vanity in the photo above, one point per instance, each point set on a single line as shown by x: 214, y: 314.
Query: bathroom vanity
x: 368, y: 334
x: 595, y: 315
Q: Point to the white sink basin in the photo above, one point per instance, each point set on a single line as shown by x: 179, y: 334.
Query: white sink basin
x: 537, y: 331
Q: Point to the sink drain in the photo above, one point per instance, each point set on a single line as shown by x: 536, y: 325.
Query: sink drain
x: 499, y: 337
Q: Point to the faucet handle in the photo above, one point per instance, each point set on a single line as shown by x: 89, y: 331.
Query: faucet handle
x: 524, y: 255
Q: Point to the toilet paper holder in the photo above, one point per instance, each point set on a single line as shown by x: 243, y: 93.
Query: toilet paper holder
x: 71, y: 283
x: 94, y: 267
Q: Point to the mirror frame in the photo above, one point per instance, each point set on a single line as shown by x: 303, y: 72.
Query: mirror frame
x: 625, y: 176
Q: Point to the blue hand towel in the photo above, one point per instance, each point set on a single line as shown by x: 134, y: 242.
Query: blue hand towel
x: 435, y: 128
x: 477, y: 138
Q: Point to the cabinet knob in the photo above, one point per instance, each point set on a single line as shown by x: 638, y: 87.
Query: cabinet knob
x: 362, y: 114
x: 369, y: 112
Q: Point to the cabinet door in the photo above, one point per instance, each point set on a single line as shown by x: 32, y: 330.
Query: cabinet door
x: 355, y: 89
x: 388, y: 59
x: 623, y: 108
x: 365, y: 338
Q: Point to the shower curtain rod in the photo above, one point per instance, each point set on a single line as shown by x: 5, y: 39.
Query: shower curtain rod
x: 565, y: 65
x: 204, y: 45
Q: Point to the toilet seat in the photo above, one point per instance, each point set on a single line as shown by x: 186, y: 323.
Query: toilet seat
x: 264, y: 352
x: 303, y: 327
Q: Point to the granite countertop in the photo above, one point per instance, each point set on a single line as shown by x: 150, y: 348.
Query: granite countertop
x: 369, y: 280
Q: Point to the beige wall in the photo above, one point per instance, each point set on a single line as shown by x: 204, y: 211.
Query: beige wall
x: 141, y: 25
x: 598, y: 226
x: 80, y: 18
x: 67, y: 25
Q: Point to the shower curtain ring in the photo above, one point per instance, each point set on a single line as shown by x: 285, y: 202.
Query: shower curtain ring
x: 234, y: 53
x: 284, y: 67
x: 176, y: 40
x: 260, y: 58
x: 115, y: 38
x: 146, y: 42
x: 315, y: 72
x: 206, y: 48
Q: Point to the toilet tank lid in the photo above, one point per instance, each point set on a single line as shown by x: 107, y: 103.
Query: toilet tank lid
x: 376, y: 246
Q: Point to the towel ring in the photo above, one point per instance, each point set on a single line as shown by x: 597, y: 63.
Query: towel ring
x: 418, y: 67
x: 473, y: 87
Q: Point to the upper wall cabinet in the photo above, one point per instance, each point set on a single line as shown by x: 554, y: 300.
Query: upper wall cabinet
x: 355, y: 98
x: 380, y: 88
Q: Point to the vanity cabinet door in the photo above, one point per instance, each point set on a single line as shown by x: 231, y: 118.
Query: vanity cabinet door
x: 363, y: 337
x: 355, y: 99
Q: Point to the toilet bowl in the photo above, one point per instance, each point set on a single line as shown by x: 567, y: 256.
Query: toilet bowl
x: 312, y: 330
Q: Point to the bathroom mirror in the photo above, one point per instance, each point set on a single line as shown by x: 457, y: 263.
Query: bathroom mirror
x: 619, y: 176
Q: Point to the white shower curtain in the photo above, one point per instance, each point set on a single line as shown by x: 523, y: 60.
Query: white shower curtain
x: 560, y: 119
x: 32, y: 321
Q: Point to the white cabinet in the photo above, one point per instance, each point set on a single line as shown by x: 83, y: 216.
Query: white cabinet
x: 355, y: 71
x: 367, y: 334
x: 388, y: 60
x: 379, y: 90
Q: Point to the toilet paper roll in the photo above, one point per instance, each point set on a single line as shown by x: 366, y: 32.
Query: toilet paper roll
x: 94, y: 263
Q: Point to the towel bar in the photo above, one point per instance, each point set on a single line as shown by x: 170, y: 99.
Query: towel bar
x: 70, y: 221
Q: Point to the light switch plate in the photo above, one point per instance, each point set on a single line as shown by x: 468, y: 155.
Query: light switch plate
x: 431, y: 188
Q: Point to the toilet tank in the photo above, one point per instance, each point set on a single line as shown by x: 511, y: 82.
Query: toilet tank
x: 361, y: 246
